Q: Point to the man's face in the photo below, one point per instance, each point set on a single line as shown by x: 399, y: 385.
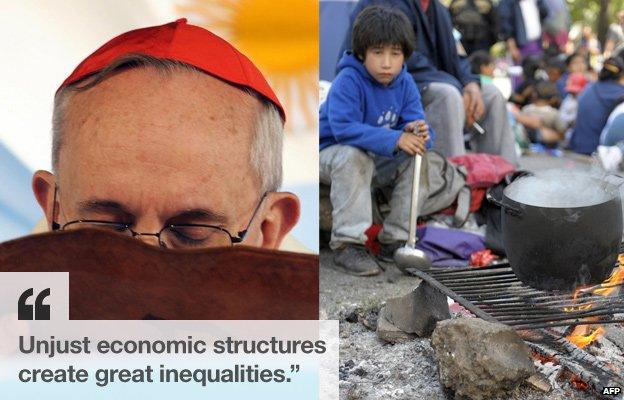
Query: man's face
x: 149, y: 149
x: 384, y: 62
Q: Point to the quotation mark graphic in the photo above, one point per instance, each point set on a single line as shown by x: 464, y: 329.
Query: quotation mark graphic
x: 41, y: 311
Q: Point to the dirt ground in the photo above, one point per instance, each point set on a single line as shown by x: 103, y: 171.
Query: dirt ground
x: 372, y: 369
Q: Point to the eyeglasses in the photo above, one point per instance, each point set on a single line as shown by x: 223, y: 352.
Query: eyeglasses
x: 172, y: 236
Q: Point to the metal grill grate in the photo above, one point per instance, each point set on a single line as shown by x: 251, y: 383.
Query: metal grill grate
x: 495, y: 294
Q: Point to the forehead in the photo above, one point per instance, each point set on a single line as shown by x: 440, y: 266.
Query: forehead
x: 144, y: 128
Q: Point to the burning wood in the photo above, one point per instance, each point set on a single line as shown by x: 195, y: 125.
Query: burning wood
x: 583, y: 335
x: 544, y: 358
x: 579, y: 384
x: 580, y: 336
x: 614, y: 282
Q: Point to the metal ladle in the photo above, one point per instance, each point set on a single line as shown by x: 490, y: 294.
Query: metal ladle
x: 408, y: 255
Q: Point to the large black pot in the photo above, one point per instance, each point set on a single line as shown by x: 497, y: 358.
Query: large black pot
x: 552, y: 248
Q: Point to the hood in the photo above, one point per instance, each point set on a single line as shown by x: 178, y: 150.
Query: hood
x: 349, y: 60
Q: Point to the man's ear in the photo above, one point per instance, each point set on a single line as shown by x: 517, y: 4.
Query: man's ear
x: 43, y: 185
x: 282, y: 213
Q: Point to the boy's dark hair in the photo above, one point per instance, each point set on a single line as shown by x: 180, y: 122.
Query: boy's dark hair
x: 478, y: 59
x: 545, y: 90
x: 574, y: 55
x: 612, y: 69
x: 530, y: 65
x: 378, y: 25
x: 556, y: 63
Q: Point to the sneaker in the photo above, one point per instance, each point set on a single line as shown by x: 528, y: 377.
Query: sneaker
x: 386, y: 253
x: 355, y: 260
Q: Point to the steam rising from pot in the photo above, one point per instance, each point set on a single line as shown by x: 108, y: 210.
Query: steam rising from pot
x: 561, y: 189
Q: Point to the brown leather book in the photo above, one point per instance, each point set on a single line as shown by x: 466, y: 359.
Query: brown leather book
x: 115, y: 277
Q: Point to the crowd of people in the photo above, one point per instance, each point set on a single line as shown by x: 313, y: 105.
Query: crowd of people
x: 416, y: 76
x: 564, y: 74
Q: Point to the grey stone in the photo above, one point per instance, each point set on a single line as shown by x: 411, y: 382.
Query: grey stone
x: 390, y: 333
x: 418, y: 311
x: 479, y: 359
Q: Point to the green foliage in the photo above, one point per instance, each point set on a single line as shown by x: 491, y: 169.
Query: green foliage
x: 586, y: 11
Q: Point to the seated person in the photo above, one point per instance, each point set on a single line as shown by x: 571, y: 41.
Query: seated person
x: 569, y: 106
x: 555, y: 68
x: 575, y: 63
x: 182, y: 151
x: 540, y: 118
x: 371, y: 126
x: 523, y: 93
x: 482, y: 64
x: 611, y: 147
x: 595, y: 104
x: 451, y: 95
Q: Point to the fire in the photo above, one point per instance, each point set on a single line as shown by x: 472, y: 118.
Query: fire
x: 585, y: 307
x: 606, y: 288
x: 611, y: 284
x: 581, y: 335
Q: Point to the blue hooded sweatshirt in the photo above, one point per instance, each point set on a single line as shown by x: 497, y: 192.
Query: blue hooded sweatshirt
x: 363, y: 113
x: 595, y: 103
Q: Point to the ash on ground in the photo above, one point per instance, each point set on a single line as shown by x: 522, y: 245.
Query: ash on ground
x: 372, y: 369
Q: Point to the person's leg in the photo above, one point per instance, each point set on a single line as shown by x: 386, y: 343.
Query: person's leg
x: 398, y: 174
x: 444, y: 110
x: 498, y: 137
x: 349, y: 171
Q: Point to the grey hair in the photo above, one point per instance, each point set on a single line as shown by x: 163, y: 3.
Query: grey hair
x: 266, y: 146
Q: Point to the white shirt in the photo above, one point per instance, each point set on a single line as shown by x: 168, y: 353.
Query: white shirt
x: 531, y: 18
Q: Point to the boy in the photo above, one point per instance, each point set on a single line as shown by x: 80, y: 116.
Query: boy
x: 371, y: 126
x: 540, y: 118
x: 574, y: 86
x: 482, y: 64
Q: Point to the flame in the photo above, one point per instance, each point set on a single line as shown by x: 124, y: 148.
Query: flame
x: 581, y: 335
x: 606, y: 288
x: 616, y: 278
x: 574, y: 298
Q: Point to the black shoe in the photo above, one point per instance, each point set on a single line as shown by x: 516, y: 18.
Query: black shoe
x: 386, y: 253
x: 355, y: 260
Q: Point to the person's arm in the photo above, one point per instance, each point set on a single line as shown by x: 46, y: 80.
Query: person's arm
x: 608, y: 50
x: 593, y: 46
x: 507, y: 29
x: 461, y: 70
x: 527, y: 120
x: 610, y: 42
x: 346, y: 118
x: 473, y: 103
x: 513, y: 50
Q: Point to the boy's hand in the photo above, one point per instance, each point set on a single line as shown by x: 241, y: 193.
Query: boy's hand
x: 412, y: 144
x: 419, y: 127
